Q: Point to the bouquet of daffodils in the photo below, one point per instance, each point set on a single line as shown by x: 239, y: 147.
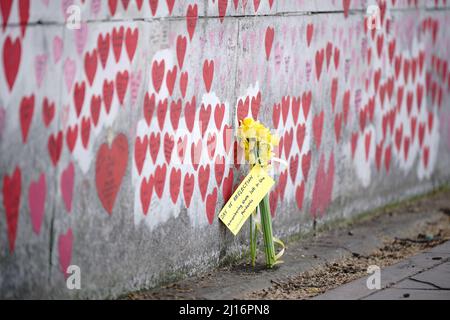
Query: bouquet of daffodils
x: 258, y: 144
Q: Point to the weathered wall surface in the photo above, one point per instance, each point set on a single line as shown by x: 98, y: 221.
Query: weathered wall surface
x: 116, y: 152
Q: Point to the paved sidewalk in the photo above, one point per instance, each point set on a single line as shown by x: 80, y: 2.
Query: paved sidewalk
x: 425, y: 276
x: 326, y: 260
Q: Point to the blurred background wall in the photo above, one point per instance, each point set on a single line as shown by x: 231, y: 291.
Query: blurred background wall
x: 117, y: 147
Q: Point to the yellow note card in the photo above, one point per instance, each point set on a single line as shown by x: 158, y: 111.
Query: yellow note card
x: 246, y: 199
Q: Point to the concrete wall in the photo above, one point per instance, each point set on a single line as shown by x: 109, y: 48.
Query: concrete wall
x: 114, y: 149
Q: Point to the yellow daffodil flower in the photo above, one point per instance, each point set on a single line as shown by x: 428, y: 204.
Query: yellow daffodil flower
x: 257, y: 142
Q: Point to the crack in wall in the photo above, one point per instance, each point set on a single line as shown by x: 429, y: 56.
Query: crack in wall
x: 40, y: 23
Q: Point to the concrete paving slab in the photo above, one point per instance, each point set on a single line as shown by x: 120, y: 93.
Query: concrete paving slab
x: 406, y: 294
x: 438, y: 276
x: 392, y: 275
x: 413, y: 285
x: 444, y: 248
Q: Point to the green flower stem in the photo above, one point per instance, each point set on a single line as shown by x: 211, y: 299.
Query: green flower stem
x: 253, y: 229
x: 253, y: 233
x: 266, y: 223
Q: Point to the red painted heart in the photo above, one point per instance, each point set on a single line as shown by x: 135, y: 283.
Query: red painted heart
x: 26, y: 116
x: 12, y: 189
x: 110, y: 167
x: 188, y: 188
x: 146, y: 193
x: 12, y: 53
x: 211, y: 201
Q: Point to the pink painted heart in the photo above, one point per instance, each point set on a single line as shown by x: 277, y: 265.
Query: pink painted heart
x: 196, y: 154
x: 188, y: 188
x: 270, y: 33
x: 26, y: 116
x: 211, y: 201
x: 67, y: 185
x: 149, y: 107
x: 122, y: 79
x: 318, y: 128
x: 85, y: 131
x: 296, y: 108
x: 24, y: 15
x: 154, y: 145
x: 288, y: 138
x: 170, y: 5
x: 285, y: 105
x: 306, y: 165
x: 65, y: 4
x: 227, y: 187
x: 276, y: 115
x: 2, y: 121
x: 208, y: 74
x: 309, y: 33
x: 293, y: 167
x: 346, y: 5
x: 175, y: 184
x: 140, y: 152
x: 323, y: 188
x: 255, y: 105
x: 243, y: 108
x: 169, y: 143
x: 158, y: 72
x: 282, y: 181
x: 184, y: 79
x: 110, y: 168
x: 273, y: 202
x: 160, y: 180
x: 161, y: 112
x: 40, y: 66
x: 5, y: 10
x: 219, y: 113
x: 170, y: 79
x: 299, y: 195
x: 11, y: 201
x: 81, y: 36
x: 227, y: 138
x: 181, y: 50
x: 146, y: 193
x: 191, y: 19
x: 182, y: 147
x: 222, y: 4
x: 135, y: 84
x: 306, y: 103
x: 65, y: 242
x: 203, y: 180
x: 204, y: 118
x: 96, y: 6
x: 153, y: 6
x: 70, y: 69
x: 301, y: 133
x: 48, y: 111
x: 36, y: 201
x: 175, y: 112
x: 12, y: 51
x: 319, y: 62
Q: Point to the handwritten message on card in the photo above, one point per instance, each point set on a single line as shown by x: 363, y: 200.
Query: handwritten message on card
x: 246, y: 199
